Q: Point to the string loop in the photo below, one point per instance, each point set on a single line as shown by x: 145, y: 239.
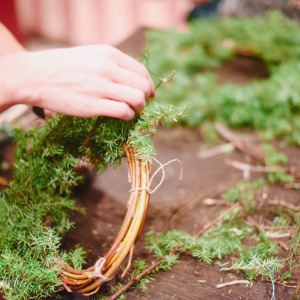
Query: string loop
x: 98, y: 270
x: 161, y: 168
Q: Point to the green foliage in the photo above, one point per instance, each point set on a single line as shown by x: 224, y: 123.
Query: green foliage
x: 38, y: 195
x: 37, y: 204
x: 280, y: 221
x: 232, y: 242
x: 245, y: 193
x: 275, y: 158
x: 271, y: 105
x: 294, y: 249
x: 254, y: 254
x: 216, y: 243
x: 227, y: 238
x: 259, y: 260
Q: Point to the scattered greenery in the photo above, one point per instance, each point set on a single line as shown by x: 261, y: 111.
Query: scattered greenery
x: 275, y: 158
x: 259, y: 260
x: 245, y: 193
x: 235, y: 244
x: 228, y: 238
x: 294, y: 249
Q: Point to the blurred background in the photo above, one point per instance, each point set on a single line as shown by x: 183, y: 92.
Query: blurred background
x: 78, y: 22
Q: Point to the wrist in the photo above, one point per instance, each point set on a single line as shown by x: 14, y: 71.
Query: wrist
x: 9, y: 81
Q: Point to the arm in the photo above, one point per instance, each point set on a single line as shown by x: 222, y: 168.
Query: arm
x: 84, y: 81
x: 8, y: 42
x: 8, y: 45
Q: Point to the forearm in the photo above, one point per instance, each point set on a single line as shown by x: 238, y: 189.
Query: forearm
x: 8, y: 45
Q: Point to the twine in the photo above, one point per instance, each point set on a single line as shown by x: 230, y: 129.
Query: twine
x: 98, y: 270
x: 161, y: 168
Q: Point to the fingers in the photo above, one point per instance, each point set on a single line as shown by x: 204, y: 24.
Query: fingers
x: 134, y: 98
x: 136, y: 85
x: 109, y: 108
x: 128, y: 63
x: 121, y: 85
x: 134, y: 80
x: 74, y: 105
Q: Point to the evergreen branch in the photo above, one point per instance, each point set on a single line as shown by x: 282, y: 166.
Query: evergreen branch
x: 36, y: 205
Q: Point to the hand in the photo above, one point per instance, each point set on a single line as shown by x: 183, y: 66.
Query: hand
x: 84, y: 81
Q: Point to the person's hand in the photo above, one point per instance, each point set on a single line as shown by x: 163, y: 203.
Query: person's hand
x: 84, y: 81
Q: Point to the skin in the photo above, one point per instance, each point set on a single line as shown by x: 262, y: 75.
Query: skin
x: 85, y: 81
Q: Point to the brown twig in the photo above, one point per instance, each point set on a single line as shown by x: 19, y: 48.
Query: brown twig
x: 297, y: 293
x: 248, y: 149
x: 127, y: 286
x: 239, y: 144
x: 288, y: 284
x: 98, y: 122
x: 285, y: 204
x: 283, y: 245
x: 213, y: 202
x: 221, y: 285
x: 251, y: 168
x: 221, y: 149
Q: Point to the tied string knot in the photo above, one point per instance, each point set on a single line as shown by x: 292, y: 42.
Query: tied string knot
x: 97, y: 273
x: 162, y: 169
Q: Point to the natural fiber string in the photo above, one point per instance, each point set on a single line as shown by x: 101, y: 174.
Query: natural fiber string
x: 161, y: 168
x: 97, y: 272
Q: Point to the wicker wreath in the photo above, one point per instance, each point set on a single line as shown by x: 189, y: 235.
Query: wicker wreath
x: 88, y: 282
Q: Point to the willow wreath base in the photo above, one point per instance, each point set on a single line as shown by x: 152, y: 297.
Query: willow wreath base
x: 88, y: 282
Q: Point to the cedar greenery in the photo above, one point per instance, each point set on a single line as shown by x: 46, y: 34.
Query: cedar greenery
x: 270, y: 105
x: 37, y: 204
